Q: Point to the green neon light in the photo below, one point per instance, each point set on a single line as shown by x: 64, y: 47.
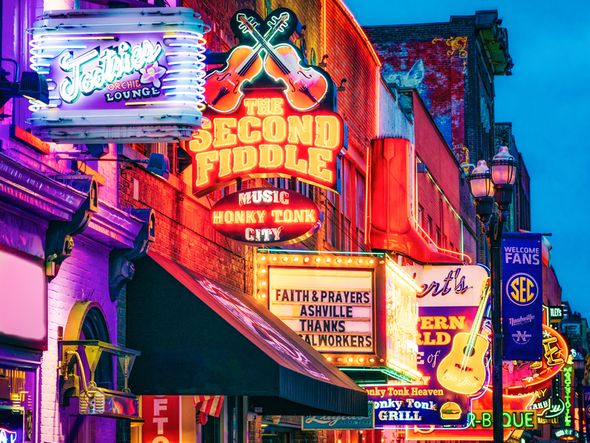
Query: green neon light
x: 382, y: 370
x: 308, y: 252
x: 113, y: 64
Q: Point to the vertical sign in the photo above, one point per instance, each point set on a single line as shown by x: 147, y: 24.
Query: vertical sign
x: 161, y: 414
x: 587, y: 410
x: 452, y: 351
x: 568, y: 396
x: 522, y: 296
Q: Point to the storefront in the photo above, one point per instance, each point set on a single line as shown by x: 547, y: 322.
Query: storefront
x: 198, y: 337
x: 35, y: 216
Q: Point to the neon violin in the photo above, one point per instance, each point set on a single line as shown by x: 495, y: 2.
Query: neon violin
x: 306, y: 87
x: 223, y: 88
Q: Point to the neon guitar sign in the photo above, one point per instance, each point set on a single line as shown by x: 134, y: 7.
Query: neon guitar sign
x: 463, y: 370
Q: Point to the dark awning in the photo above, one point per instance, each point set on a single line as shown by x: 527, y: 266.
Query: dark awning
x: 197, y: 337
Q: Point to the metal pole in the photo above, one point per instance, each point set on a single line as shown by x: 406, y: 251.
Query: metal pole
x: 495, y: 236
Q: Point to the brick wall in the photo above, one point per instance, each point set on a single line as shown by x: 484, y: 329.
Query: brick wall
x: 217, y: 14
x: 456, y: 83
x: 434, y: 60
x: 83, y: 276
x: 184, y: 232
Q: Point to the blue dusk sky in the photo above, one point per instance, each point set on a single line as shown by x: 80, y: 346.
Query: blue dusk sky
x: 546, y: 98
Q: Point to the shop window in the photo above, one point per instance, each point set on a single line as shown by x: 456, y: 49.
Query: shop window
x: 17, y: 402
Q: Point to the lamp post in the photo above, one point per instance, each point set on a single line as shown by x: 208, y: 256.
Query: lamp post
x: 491, y: 189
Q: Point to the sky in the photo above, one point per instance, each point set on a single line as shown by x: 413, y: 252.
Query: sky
x: 547, y: 99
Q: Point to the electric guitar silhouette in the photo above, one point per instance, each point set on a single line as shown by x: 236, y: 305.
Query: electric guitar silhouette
x: 306, y: 87
x: 463, y: 370
x: 223, y: 88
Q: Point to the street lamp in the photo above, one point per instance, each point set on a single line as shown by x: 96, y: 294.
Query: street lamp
x: 492, y: 188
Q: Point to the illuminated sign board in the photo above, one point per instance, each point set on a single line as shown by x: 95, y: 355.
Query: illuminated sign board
x: 331, y: 309
x: 567, y: 382
x: 12, y: 425
x: 266, y: 215
x: 517, y: 417
x: 344, y: 306
x: 401, y: 405
x: 586, y: 402
x: 548, y: 403
x: 401, y: 320
x: 266, y: 139
x: 268, y: 113
x: 119, y: 75
x: 512, y: 419
x: 161, y: 415
x: 323, y: 422
x: 451, y: 306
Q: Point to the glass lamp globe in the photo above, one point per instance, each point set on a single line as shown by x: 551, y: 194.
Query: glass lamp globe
x: 480, y: 181
x: 503, y: 167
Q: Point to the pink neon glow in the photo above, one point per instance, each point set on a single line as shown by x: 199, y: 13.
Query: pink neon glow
x: 23, y: 293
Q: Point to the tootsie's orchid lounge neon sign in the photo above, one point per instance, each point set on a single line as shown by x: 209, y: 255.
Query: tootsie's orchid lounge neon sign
x: 123, y: 75
x: 94, y: 71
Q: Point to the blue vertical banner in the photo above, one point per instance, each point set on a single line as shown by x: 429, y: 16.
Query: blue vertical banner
x: 522, y: 296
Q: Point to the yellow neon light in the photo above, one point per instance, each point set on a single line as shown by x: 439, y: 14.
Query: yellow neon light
x: 324, y: 28
x: 404, y: 277
x: 265, y: 141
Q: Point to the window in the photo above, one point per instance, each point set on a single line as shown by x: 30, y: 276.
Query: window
x: 331, y: 223
x: 421, y: 215
x: 429, y: 226
x: 360, y: 211
x: 18, y: 403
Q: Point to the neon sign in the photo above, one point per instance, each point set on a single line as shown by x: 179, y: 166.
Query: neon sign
x: 266, y: 215
x: 112, y: 65
x: 7, y: 436
x: 568, y: 395
x: 123, y: 75
x: 268, y: 114
x: 265, y: 48
x: 262, y: 141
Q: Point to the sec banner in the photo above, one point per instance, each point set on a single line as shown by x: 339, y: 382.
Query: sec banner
x: 522, y: 296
